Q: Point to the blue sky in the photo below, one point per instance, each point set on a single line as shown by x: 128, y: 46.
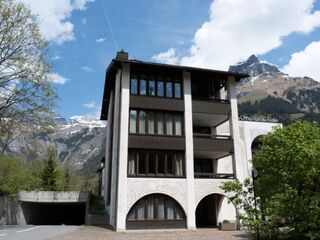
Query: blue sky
x: 202, y: 33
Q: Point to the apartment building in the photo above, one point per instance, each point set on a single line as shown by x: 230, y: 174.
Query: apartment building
x: 173, y: 138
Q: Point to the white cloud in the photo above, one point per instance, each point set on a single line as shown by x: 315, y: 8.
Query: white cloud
x: 56, y: 57
x: 237, y: 29
x: 54, y: 17
x: 168, y: 57
x: 87, y: 69
x: 58, y: 79
x: 305, y: 62
x: 84, y: 21
x: 99, y: 40
x: 94, y: 108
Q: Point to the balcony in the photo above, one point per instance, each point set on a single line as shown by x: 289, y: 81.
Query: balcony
x: 212, y: 146
x: 145, y: 141
x: 214, y: 175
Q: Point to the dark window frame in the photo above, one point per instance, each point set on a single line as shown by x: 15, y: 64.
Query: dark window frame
x: 155, y: 199
x: 138, y: 152
x: 158, y: 78
x: 156, y: 113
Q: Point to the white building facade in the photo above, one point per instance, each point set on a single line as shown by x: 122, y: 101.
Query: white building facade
x: 173, y: 137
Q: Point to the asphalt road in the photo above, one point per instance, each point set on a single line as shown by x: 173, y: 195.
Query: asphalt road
x: 34, y: 232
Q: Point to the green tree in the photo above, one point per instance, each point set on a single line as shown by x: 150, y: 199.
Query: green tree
x: 288, y: 183
x: 26, y: 92
x: 51, y: 172
x: 15, y: 176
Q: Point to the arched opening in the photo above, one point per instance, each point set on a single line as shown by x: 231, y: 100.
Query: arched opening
x: 256, y: 145
x: 213, y: 209
x: 156, y: 211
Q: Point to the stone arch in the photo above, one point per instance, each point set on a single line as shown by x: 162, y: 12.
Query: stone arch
x: 175, y: 189
x: 155, y: 208
x: 214, y: 208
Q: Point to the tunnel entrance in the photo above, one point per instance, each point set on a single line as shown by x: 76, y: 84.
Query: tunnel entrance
x: 54, y: 213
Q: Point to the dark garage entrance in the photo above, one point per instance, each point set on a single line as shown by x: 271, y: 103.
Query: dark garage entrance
x: 207, y: 210
x: 54, y: 213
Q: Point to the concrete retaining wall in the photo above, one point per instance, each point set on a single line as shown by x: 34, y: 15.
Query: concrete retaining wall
x: 10, y: 211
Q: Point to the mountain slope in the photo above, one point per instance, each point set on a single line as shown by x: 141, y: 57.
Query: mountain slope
x: 269, y: 91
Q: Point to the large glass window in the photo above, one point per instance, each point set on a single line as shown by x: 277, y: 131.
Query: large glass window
x: 142, y: 122
x: 160, y: 89
x: 178, y: 124
x: 156, y: 207
x: 177, y: 89
x: 169, y: 124
x: 143, y: 86
x: 151, y: 122
x: 169, y: 89
x: 152, y: 87
x: 133, y: 121
x: 155, y: 163
x: 134, y: 84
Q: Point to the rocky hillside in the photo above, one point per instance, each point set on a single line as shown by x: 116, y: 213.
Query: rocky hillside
x: 269, y: 91
x: 80, y: 139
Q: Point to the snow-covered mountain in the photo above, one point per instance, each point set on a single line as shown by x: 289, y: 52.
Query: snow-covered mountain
x: 80, y: 139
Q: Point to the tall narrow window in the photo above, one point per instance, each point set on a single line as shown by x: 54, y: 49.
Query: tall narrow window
x: 142, y: 163
x: 132, y: 163
x: 150, y: 208
x: 178, y: 124
x: 170, y: 209
x: 160, y: 88
x: 140, y: 210
x: 161, y: 208
x: 152, y: 87
x: 134, y: 84
x: 168, y: 88
x: 152, y: 163
x: 169, y: 124
x: 177, y: 89
x: 133, y: 121
x: 142, y: 122
x: 143, y: 85
x: 179, y: 166
x: 169, y: 163
x: 161, y: 163
x: 151, y: 122
x: 160, y: 123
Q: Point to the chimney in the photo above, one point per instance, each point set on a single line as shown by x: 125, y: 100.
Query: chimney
x: 122, y: 55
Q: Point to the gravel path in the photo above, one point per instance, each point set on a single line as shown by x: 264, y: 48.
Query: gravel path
x: 97, y: 233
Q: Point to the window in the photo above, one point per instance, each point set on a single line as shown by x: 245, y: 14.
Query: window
x: 155, y: 163
x: 178, y: 125
x: 143, y: 86
x: 156, y: 207
x: 151, y: 122
x: 151, y: 85
x: 177, y: 89
x: 134, y: 84
x: 133, y: 121
x: 160, y: 88
x: 169, y: 89
x: 169, y: 124
x: 142, y: 122
x: 152, y: 88
x: 160, y: 123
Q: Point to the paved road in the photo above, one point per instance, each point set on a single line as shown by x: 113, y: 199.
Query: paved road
x: 34, y: 232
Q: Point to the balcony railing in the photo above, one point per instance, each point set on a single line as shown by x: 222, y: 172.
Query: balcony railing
x: 213, y: 136
x: 214, y: 175
x: 218, y: 100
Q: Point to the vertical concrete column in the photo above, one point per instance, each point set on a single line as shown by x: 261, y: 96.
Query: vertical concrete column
x: 114, y: 159
x: 123, y: 149
x: 106, y: 177
x: 234, y: 129
x: 191, y: 218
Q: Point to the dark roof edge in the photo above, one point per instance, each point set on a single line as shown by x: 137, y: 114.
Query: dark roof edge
x: 236, y: 74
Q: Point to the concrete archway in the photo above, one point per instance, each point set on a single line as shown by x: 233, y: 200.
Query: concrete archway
x: 214, y: 208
